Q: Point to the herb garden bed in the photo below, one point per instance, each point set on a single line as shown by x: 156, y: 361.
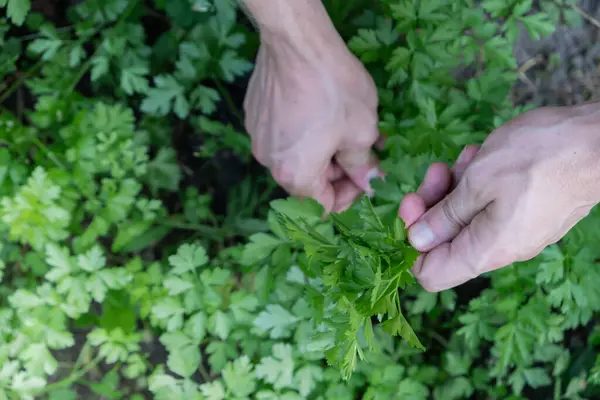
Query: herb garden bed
x: 145, y: 254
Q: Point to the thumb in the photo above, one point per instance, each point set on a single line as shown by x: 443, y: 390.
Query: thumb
x: 466, y: 257
x: 444, y: 221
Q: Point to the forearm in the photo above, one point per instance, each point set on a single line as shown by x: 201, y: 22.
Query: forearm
x: 295, y: 24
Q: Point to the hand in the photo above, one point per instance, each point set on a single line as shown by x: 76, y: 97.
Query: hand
x: 529, y: 184
x: 311, y: 112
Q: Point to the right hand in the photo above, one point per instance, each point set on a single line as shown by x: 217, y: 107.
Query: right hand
x: 532, y: 180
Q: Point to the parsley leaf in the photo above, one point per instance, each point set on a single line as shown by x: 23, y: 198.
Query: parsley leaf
x: 16, y: 10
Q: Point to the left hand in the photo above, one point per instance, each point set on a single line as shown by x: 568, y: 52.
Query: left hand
x: 532, y: 180
x: 312, y: 117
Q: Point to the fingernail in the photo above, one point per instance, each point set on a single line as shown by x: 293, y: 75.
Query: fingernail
x: 421, y: 236
x: 372, y: 174
x: 462, y: 157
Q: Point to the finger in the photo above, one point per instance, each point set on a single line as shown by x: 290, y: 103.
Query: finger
x: 346, y: 193
x: 462, y: 163
x: 438, y: 181
x: 356, y: 155
x: 466, y: 257
x: 412, y: 208
x: 447, y: 218
x: 325, y: 195
x: 380, y: 143
x: 334, y: 172
x: 312, y: 184
x: 361, y: 166
x: 436, y: 184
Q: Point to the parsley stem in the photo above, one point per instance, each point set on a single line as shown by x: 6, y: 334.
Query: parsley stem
x: 440, y: 339
x: 557, y: 388
x: 82, y: 354
x: 22, y: 78
x: 75, y: 376
x: 88, y: 64
x: 37, y: 35
x: 209, y: 231
x: 204, y: 373
x: 49, y: 153
x: 230, y: 103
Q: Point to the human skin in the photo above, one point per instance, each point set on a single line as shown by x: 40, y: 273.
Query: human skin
x: 311, y: 106
x: 531, y: 181
x: 311, y: 112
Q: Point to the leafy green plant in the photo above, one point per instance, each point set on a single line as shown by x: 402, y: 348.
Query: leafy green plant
x: 130, y: 268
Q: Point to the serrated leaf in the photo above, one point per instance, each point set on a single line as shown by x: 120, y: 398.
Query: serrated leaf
x: 277, y: 369
x: 275, y: 320
x: 176, y: 285
x: 188, y: 258
x: 239, y: 377
x: 536, y: 377
x: 92, y: 261
x: 205, y: 99
x: 184, y: 360
x: 167, y: 94
x: 306, y: 209
x: 398, y: 326
x: 133, y: 79
x: 220, y: 324
x: 213, y: 390
x: 16, y: 10
x: 306, y: 379
x: 261, y: 245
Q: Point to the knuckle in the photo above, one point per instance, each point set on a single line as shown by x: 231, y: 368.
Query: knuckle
x: 367, y: 134
x: 293, y: 178
x: 258, y: 153
x: 474, y: 186
x: 451, y: 214
x: 364, y: 140
x: 283, y: 174
x: 430, y: 285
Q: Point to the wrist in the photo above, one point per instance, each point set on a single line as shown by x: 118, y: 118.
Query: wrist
x: 296, y: 28
x: 587, y: 153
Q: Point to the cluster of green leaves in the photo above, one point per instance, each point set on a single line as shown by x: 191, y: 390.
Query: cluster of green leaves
x: 445, y: 70
x: 360, y: 270
x: 109, y: 254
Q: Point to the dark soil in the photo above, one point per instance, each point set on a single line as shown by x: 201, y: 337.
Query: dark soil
x: 575, y: 78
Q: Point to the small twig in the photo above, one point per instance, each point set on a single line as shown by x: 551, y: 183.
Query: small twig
x: 22, y: 78
x: 230, y: 103
x: 74, y: 377
x: 586, y: 16
x: 527, y: 81
x: 206, y: 230
x: 49, y: 153
x: 440, y: 339
x: 204, y: 373
x: 527, y: 65
x: 82, y: 354
x: 32, y: 36
x: 90, y: 60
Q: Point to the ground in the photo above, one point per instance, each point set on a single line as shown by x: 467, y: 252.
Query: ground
x: 575, y: 78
